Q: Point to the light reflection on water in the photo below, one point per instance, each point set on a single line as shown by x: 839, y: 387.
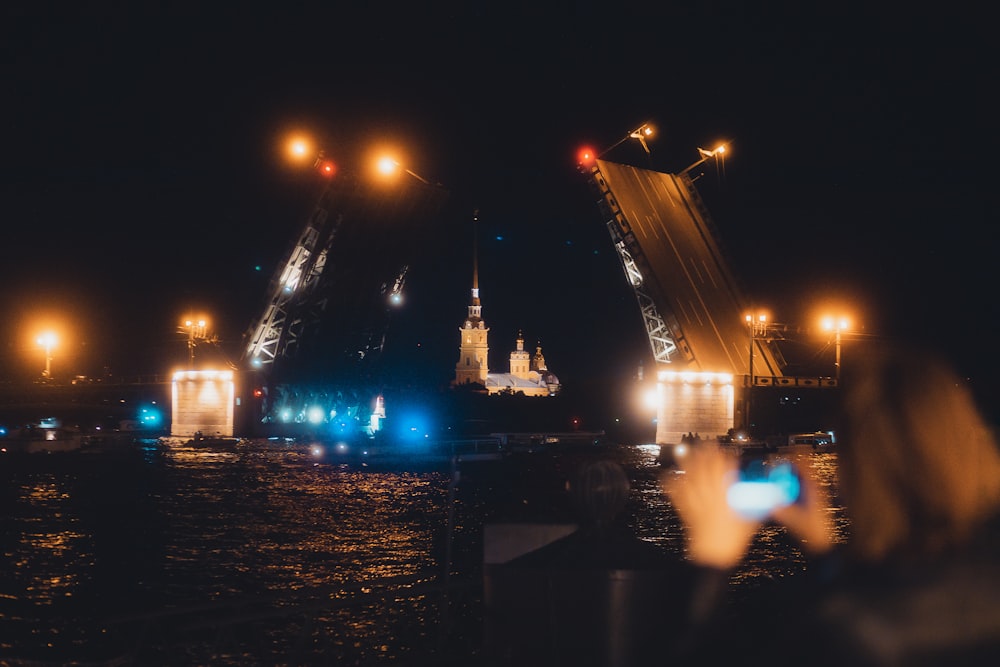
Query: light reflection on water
x: 284, y: 523
x: 49, y: 548
x: 175, y: 527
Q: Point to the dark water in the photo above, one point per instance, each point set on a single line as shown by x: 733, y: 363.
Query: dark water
x: 161, y: 554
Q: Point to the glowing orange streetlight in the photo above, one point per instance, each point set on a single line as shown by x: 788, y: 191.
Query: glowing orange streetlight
x: 388, y: 166
x: 196, y: 329
x: 301, y: 149
x: 717, y: 152
x: 640, y: 134
x: 836, y: 324
x: 757, y: 325
x: 47, y: 340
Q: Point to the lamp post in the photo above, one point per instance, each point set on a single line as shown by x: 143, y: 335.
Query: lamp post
x: 640, y: 134
x: 757, y: 326
x: 717, y: 152
x: 48, y: 341
x: 300, y: 149
x: 195, y: 330
x: 388, y: 166
x: 836, y: 324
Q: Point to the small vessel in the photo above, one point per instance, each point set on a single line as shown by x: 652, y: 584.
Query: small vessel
x: 40, y: 439
x: 199, y: 439
x: 817, y: 441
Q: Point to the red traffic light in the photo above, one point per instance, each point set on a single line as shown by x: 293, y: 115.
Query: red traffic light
x: 326, y: 167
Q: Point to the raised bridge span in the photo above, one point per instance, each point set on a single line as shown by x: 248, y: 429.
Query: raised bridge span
x: 707, y: 354
x: 691, y: 304
x: 690, y: 299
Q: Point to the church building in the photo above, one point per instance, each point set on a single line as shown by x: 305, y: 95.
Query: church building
x: 528, y: 374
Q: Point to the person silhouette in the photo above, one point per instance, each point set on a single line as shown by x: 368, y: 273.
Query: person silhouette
x: 917, y: 581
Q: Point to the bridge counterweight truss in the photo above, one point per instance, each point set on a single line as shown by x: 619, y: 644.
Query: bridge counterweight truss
x: 656, y: 329
x: 293, y: 305
x: 662, y: 340
x: 329, y: 301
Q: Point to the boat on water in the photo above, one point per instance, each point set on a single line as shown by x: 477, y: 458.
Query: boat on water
x: 199, y: 439
x: 817, y: 441
x: 34, y: 439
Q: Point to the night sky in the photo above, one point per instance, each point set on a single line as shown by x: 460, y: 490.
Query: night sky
x: 140, y: 170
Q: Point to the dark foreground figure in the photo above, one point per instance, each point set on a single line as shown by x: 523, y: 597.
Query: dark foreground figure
x: 918, y: 581
x: 597, y: 596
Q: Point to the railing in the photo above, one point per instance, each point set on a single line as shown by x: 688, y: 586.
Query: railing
x: 96, y: 393
x: 477, y: 447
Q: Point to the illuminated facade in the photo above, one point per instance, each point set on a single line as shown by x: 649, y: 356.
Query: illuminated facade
x: 693, y: 402
x: 528, y: 375
x: 473, y: 365
x: 203, y: 401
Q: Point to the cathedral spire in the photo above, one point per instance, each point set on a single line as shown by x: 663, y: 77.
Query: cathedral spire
x: 475, y: 256
x: 475, y: 308
x: 473, y: 365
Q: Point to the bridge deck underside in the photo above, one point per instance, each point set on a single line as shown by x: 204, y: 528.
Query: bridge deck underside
x: 685, y: 272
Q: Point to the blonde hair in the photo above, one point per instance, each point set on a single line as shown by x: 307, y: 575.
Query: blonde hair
x: 919, y: 466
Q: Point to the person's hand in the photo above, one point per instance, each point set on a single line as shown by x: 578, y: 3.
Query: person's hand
x: 809, y: 519
x: 716, y: 535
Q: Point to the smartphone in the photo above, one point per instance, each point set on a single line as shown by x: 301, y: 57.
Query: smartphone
x: 762, y: 487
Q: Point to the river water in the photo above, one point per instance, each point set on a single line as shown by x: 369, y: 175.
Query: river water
x: 157, y: 553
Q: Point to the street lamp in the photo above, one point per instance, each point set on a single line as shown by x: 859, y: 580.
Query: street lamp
x: 390, y: 166
x: 836, y: 324
x: 641, y: 133
x: 301, y: 149
x: 717, y: 152
x: 757, y: 326
x: 195, y: 329
x: 48, y: 341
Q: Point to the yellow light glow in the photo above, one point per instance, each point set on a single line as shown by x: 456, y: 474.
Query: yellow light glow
x: 689, y: 377
x: 387, y: 166
x: 223, y: 375
x: 387, y: 159
x: 299, y: 148
x: 831, y: 323
x: 643, y: 132
x: 192, y: 320
x: 47, y: 329
x: 651, y: 399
